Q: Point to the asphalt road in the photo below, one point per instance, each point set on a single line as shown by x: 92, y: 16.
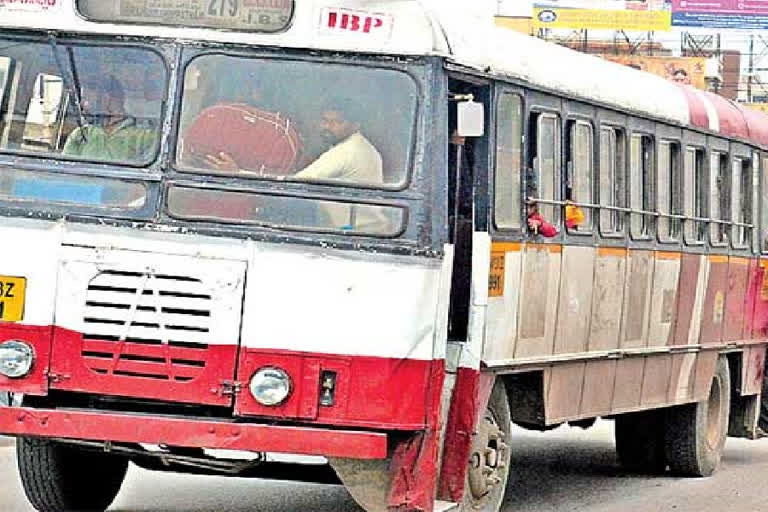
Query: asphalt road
x: 564, y: 470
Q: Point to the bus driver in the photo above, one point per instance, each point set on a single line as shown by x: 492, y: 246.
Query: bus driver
x: 115, y: 136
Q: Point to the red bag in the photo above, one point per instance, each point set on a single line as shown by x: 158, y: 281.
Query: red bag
x: 259, y: 141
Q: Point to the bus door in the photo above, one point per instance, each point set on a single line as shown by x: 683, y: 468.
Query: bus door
x: 461, y: 196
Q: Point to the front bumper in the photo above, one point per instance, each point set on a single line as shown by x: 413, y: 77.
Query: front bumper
x: 222, y: 434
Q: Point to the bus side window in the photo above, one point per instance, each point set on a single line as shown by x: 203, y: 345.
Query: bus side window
x: 641, y: 195
x: 612, y: 189
x: 718, y: 195
x: 580, y: 172
x: 509, y: 141
x: 694, y: 195
x: 668, y: 190
x: 546, y: 164
x: 741, y: 193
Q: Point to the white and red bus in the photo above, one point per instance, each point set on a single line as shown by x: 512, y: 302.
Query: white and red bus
x: 317, y: 228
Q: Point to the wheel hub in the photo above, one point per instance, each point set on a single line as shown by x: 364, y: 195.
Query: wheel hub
x: 487, y: 459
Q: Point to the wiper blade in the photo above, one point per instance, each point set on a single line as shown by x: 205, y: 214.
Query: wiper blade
x: 73, y: 85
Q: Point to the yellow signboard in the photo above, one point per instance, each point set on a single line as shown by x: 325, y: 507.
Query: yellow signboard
x: 602, y: 19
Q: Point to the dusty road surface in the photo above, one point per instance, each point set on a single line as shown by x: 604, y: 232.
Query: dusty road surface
x: 563, y: 470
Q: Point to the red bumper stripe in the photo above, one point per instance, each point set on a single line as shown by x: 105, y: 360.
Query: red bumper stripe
x: 192, y: 433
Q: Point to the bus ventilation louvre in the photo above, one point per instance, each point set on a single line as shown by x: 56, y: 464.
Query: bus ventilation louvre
x: 146, y: 325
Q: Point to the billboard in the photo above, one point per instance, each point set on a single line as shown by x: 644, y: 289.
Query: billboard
x: 720, y: 14
x: 686, y: 70
x: 641, y: 15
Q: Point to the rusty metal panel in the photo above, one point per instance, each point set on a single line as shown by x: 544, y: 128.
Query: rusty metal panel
x: 656, y: 379
x: 575, y: 302
x: 760, y: 319
x: 735, y: 299
x: 705, y: 371
x: 682, y: 378
x: 629, y: 383
x: 664, y: 299
x: 501, y: 334
x: 564, y: 394
x: 538, y: 300
x: 753, y: 370
x: 598, y: 388
x: 713, y: 310
x: 637, y: 297
x: 610, y: 275
x: 689, y: 273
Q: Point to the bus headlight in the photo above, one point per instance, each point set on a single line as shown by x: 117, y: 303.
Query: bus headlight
x: 16, y: 358
x: 270, y: 386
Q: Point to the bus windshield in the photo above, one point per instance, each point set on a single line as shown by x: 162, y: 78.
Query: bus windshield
x: 77, y: 101
x: 297, y: 120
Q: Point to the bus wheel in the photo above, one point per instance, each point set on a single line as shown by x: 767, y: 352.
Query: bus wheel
x: 57, y: 477
x: 696, y: 432
x: 489, y: 459
x: 640, y: 441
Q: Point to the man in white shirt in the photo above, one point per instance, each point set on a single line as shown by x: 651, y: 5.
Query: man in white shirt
x: 352, y: 158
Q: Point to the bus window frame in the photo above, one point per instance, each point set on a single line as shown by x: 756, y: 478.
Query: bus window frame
x: 719, y: 188
x: 533, y: 164
x: 618, y: 182
x: 670, y: 218
x: 568, y: 180
x: 741, y: 235
x: 646, y: 217
x: 501, y: 92
x: 167, y: 53
x: 190, y: 52
x: 699, y: 195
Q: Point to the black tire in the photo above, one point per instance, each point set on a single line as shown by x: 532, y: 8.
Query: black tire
x: 493, y: 433
x: 696, y: 432
x: 640, y: 442
x: 58, y: 478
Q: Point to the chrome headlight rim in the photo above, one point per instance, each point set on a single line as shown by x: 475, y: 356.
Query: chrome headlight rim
x: 278, y: 375
x: 27, y: 351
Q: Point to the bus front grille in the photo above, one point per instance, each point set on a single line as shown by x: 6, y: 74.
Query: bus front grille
x: 146, y: 325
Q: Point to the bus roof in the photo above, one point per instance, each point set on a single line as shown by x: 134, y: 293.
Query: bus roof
x: 410, y: 27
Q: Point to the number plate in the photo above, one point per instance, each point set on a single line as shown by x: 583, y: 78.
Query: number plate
x: 12, y: 298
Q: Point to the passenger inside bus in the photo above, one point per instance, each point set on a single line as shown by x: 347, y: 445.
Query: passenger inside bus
x: 351, y: 156
x: 112, y: 135
x: 537, y: 224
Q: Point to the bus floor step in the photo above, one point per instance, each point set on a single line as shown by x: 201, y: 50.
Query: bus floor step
x: 445, y: 506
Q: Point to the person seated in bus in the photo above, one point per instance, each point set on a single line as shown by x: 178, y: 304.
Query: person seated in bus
x: 537, y: 224
x: 351, y: 157
x: 112, y: 135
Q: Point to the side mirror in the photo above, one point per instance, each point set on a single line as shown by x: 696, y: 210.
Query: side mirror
x: 470, y: 119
